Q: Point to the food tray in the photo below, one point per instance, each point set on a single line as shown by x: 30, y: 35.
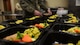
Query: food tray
x: 51, y: 37
x: 13, y: 30
x: 65, y: 19
x: 58, y: 27
x: 10, y: 23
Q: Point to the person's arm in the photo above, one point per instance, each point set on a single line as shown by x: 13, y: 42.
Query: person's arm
x: 42, y: 4
x: 26, y: 6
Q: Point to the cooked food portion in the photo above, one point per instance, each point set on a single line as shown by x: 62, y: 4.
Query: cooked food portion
x: 2, y: 27
x: 50, y: 20
x: 75, y: 29
x: 29, y: 35
x: 33, y: 18
x: 11, y: 37
x: 72, y: 19
x: 70, y: 15
x: 53, y: 17
x: 78, y: 43
x: 57, y: 43
x: 19, y: 21
x: 32, y: 32
x: 42, y: 25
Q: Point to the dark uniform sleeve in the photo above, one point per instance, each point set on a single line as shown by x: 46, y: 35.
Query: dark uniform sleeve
x: 26, y: 6
x: 42, y: 4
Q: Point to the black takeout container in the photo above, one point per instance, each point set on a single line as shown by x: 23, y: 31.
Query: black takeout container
x: 5, y: 25
x: 54, y: 34
x: 65, y: 18
x: 10, y: 22
x: 58, y: 27
x: 13, y: 30
x: 51, y: 37
x: 36, y: 21
x: 28, y: 23
x: 42, y: 19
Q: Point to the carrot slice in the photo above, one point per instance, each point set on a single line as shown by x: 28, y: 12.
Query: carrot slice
x: 77, y: 31
x: 41, y: 26
x: 26, y: 38
x: 36, y: 25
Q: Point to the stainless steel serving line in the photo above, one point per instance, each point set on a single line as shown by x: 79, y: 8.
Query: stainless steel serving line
x: 3, y: 15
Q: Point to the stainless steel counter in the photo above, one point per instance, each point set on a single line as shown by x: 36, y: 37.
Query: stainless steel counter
x: 13, y: 15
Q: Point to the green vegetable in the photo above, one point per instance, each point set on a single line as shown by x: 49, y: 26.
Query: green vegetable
x: 19, y: 35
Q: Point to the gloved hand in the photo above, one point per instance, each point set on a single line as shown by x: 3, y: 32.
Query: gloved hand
x: 38, y: 13
x: 49, y: 11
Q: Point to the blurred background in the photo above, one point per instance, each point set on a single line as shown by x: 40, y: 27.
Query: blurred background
x: 9, y: 7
